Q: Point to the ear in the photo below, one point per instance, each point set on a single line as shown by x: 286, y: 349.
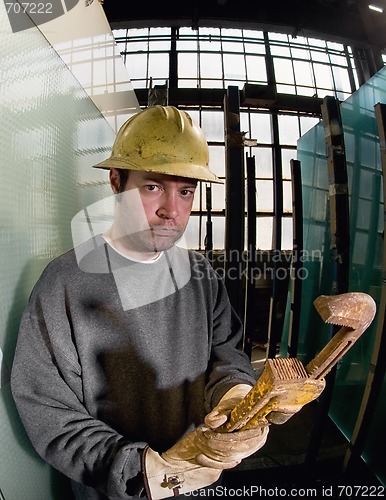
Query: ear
x: 114, y: 180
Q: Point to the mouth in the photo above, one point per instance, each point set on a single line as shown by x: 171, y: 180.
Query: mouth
x: 165, y: 231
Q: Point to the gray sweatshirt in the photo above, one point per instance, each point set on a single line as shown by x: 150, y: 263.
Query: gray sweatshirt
x: 114, y: 355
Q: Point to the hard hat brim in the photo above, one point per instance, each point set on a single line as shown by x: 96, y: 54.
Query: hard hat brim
x: 197, y: 172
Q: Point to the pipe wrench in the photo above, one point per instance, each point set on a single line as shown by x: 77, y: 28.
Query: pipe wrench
x: 285, y: 383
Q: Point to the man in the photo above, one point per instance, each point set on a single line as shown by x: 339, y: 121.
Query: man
x: 128, y: 353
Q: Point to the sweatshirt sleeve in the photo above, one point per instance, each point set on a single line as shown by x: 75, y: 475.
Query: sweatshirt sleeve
x: 229, y: 364
x: 47, y: 390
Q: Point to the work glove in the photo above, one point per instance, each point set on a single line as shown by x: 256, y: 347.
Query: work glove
x: 220, y: 413
x: 176, y: 471
x: 225, y: 450
x: 197, y: 460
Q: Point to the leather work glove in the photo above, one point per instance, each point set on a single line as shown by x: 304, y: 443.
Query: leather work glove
x: 176, y: 471
x: 198, y: 459
x: 224, y: 450
x: 219, y: 414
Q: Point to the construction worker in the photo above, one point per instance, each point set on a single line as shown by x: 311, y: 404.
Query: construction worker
x: 128, y: 355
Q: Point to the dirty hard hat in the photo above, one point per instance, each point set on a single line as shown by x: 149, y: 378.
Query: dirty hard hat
x: 164, y: 140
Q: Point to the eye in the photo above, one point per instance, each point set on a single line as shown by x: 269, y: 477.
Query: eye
x: 153, y: 187
x: 188, y: 192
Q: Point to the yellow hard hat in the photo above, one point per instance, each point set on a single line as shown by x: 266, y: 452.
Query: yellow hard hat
x: 162, y: 139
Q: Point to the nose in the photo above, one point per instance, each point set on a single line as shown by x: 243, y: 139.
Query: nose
x: 168, y: 208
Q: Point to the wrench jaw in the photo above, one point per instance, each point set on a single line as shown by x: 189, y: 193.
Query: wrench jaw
x: 354, y: 312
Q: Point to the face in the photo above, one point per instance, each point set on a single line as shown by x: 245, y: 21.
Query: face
x: 153, y: 210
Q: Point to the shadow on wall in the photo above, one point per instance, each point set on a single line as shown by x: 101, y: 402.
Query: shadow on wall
x: 60, y: 485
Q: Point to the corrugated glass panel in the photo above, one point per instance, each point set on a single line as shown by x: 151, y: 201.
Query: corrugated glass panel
x: 366, y: 253
x: 50, y: 135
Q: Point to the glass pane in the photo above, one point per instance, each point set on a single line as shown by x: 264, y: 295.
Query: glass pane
x: 308, y: 91
x: 316, y: 42
x: 316, y: 55
x: 278, y: 36
x: 210, y: 45
x: 136, y: 65
x: 187, y: 65
x: 280, y: 50
x: 162, y: 38
x: 298, y: 40
x: 256, y: 69
x: 187, y: 84
x: 120, y: 33
x: 339, y: 60
x: 144, y: 32
x: 263, y: 162
x: 335, y: 46
x: 210, y: 32
x: 210, y: 39
x: 139, y: 84
x: 159, y: 65
x: 218, y: 196
x: 218, y: 225
x: 210, y: 66
x: 187, y: 31
x: 303, y: 73
x: 192, y: 237
x: 264, y: 190
x: 288, y: 129
x: 197, y: 199
x: 52, y: 135
x: 287, y: 197
x: 254, y: 48
x: 286, y: 235
x: 341, y: 79
x: 233, y: 46
x: 231, y: 32
x: 213, y: 125
x: 253, y: 34
x: 261, y: 128
x: 185, y: 45
x: 366, y: 250
x: 283, y: 70
x: 244, y: 124
x: 196, y: 230
x: 211, y: 84
x: 234, y: 66
x: 286, y: 156
x: 264, y: 232
x: 134, y: 46
x: 323, y: 76
x: 285, y: 89
x: 306, y: 123
x: 300, y: 53
x: 217, y: 160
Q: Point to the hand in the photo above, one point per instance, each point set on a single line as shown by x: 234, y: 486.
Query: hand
x: 220, y: 413
x: 176, y: 470
x: 225, y: 450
